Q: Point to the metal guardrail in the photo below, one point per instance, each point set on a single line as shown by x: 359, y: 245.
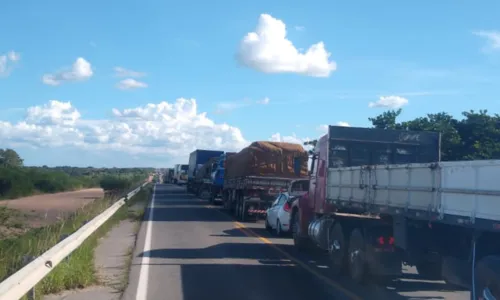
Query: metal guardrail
x: 24, y: 280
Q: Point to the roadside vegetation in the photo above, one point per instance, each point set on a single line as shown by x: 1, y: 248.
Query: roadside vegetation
x: 17, y: 180
x: 475, y: 136
x: 78, y: 270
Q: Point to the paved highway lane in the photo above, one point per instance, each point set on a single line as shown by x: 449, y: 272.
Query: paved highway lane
x: 188, y: 250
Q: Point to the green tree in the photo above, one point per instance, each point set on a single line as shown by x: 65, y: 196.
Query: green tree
x: 10, y: 158
x: 387, y: 120
x: 476, y: 136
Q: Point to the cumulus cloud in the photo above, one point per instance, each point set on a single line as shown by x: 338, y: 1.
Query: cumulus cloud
x: 122, y: 72
x: 162, y: 129
x: 492, y: 37
x: 7, y: 62
x: 79, y: 71
x: 324, y: 128
x: 130, y: 83
x: 389, y: 102
x: 268, y: 50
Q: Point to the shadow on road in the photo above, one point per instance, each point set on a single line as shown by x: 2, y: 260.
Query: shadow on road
x: 276, y: 268
x: 251, y: 282
x: 262, y: 232
x: 223, y: 250
x: 185, y: 214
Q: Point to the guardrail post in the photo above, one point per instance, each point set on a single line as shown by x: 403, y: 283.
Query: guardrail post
x: 26, y: 260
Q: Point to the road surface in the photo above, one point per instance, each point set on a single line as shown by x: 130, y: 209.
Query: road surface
x: 189, y: 250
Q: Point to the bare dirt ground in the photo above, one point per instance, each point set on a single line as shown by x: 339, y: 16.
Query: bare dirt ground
x: 20, y: 214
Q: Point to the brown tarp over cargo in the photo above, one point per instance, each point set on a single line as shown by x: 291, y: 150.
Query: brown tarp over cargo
x: 268, y: 159
x: 206, y: 170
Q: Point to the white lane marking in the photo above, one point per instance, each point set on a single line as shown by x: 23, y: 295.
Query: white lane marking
x: 142, y: 287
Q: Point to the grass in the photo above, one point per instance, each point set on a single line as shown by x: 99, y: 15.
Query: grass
x: 78, y: 270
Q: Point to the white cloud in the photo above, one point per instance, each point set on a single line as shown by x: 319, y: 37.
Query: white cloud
x: 342, y: 123
x: 7, y: 62
x: 130, y: 83
x: 268, y: 50
x: 493, y: 38
x: 389, y: 102
x: 324, y: 128
x: 264, y: 101
x: 122, y: 72
x: 224, y: 107
x: 163, y: 129
x: 79, y: 71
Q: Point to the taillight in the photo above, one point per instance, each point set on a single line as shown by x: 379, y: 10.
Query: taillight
x: 381, y: 240
x: 287, y: 207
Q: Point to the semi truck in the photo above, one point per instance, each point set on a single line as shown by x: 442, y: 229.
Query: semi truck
x: 196, y: 160
x: 202, y: 183
x: 379, y: 198
x: 209, y: 179
x: 180, y: 174
x: 169, y: 175
x: 217, y: 177
x: 255, y: 175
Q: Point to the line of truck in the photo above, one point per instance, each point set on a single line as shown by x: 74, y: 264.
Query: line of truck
x: 377, y: 199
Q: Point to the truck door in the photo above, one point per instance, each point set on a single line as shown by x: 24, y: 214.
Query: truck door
x: 319, y: 195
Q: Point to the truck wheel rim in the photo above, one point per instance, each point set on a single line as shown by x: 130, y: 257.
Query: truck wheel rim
x: 356, y: 262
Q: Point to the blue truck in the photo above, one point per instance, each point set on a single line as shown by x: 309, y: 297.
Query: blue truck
x: 197, y: 159
x: 217, y: 177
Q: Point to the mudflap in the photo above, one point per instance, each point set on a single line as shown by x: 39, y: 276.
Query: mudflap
x: 384, y: 262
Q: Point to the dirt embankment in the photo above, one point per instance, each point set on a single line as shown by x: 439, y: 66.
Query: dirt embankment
x: 20, y: 214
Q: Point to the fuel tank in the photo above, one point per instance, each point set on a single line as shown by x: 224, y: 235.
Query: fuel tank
x: 318, y: 231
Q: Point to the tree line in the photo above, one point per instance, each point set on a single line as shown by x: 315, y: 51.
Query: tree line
x: 17, y: 180
x: 475, y: 136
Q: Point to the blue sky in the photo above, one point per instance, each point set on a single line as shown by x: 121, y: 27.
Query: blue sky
x: 428, y: 56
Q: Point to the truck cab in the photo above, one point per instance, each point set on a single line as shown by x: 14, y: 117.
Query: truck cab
x: 343, y: 228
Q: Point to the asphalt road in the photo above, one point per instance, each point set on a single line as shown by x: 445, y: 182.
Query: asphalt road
x: 189, y: 250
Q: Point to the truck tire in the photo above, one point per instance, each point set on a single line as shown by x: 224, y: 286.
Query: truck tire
x: 302, y: 244
x: 429, y: 270
x: 356, y: 256
x: 337, y: 251
x: 487, y: 276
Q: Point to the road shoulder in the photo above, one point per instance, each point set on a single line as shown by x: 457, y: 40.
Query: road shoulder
x: 112, y: 260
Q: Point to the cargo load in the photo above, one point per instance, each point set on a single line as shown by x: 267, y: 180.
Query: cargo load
x: 268, y: 159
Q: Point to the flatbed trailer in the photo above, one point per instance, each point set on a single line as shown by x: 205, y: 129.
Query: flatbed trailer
x: 370, y: 217
x: 248, y: 197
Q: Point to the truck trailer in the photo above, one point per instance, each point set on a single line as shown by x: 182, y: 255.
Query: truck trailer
x: 180, y: 174
x: 380, y: 198
x: 196, y: 160
x: 169, y: 175
x: 255, y: 175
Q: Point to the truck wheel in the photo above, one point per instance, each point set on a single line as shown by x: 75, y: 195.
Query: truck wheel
x: 301, y: 243
x: 429, y: 270
x: 337, y: 250
x: 356, y: 256
x: 487, y: 277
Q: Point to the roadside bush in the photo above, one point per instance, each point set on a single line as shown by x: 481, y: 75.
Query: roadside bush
x: 17, y: 180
